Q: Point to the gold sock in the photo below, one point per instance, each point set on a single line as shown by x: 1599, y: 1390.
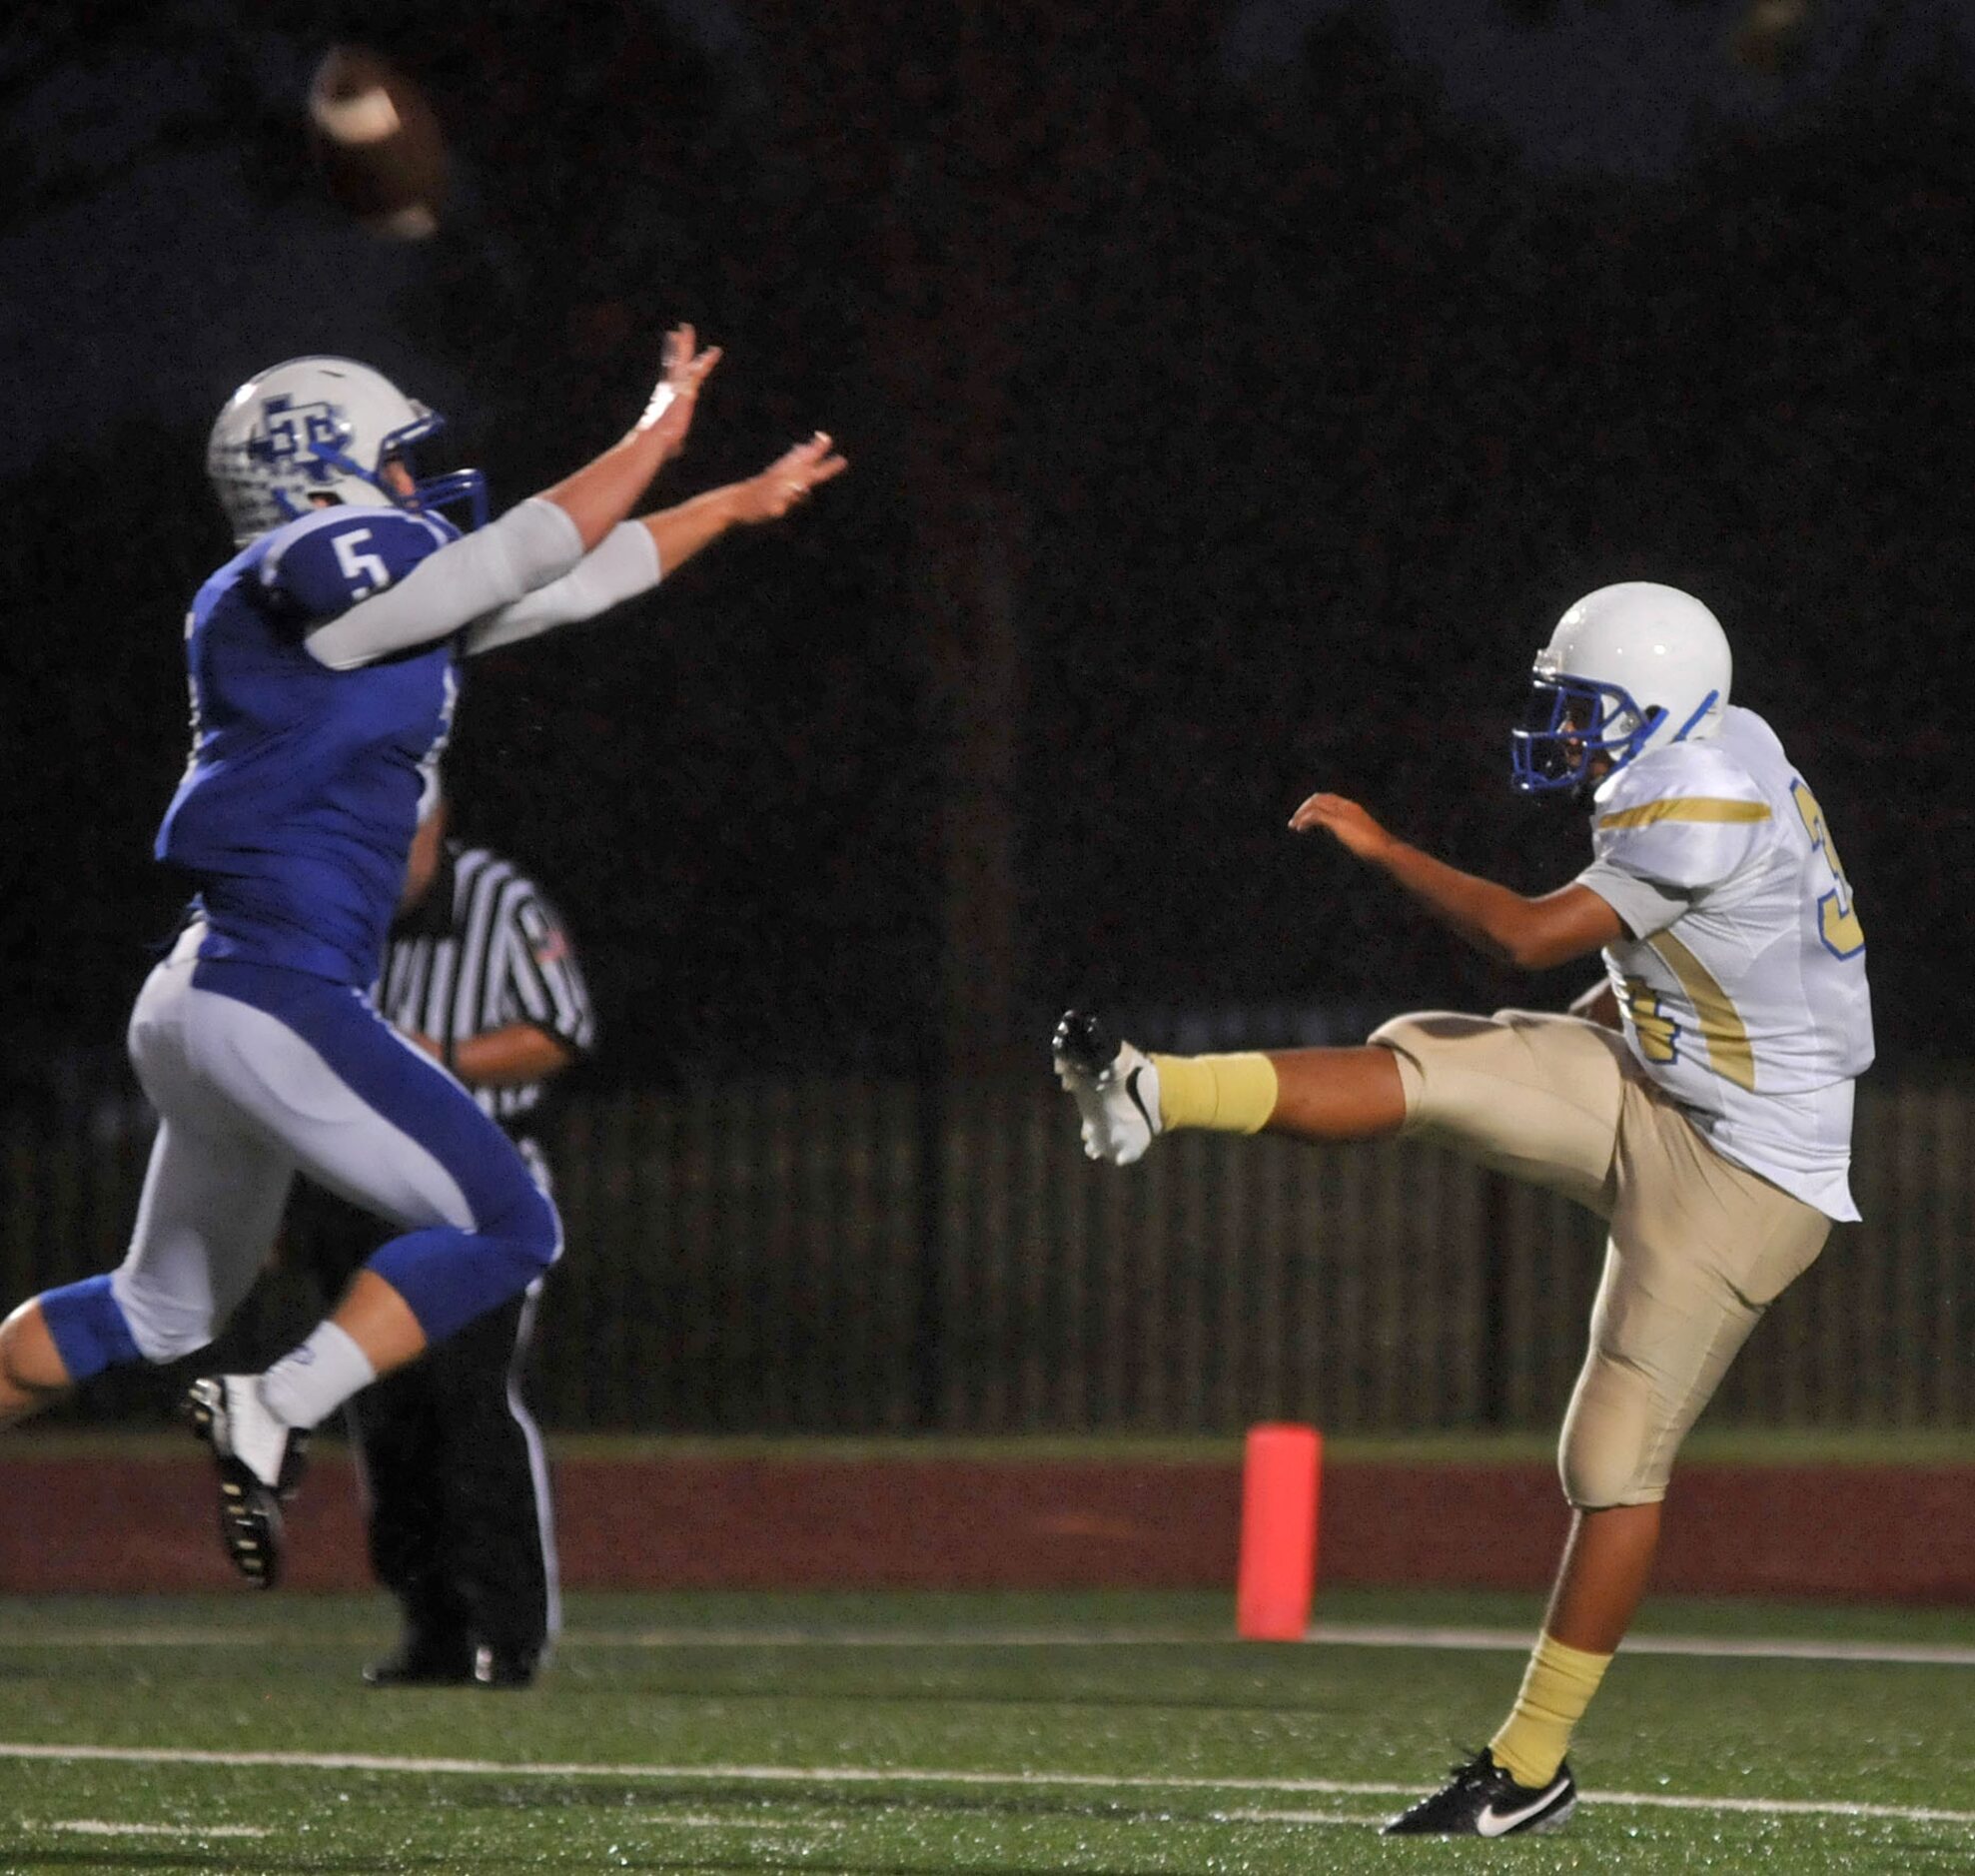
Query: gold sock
x: 1229, y: 1094
x: 1556, y: 1691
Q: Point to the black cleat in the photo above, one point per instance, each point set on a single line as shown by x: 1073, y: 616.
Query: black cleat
x: 423, y: 1662
x: 260, y: 1463
x: 1483, y: 1800
x: 1114, y: 1087
x: 454, y: 1662
x: 1083, y: 1042
x: 502, y: 1667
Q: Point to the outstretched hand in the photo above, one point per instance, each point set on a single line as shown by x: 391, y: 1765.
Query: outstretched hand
x: 1346, y: 823
x: 788, y: 480
x: 677, y: 395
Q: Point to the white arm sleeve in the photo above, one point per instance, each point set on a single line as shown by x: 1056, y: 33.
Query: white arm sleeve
x: 621, y: 565
x: 527, y: 548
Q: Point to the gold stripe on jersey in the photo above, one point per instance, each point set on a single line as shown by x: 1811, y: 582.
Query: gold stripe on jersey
x: 1722, y: 1032
x: 1686, y: 808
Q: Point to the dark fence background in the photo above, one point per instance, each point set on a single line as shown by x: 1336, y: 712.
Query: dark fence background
x: 852, y: 1255
x: 1237, y: 392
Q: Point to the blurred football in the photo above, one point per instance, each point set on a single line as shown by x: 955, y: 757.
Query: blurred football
x: 377, y: 144
x: 1772, y: 35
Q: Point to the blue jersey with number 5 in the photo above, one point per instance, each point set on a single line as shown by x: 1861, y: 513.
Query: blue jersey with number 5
x: 297, y: 806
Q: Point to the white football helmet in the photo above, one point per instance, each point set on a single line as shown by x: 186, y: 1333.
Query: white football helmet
x: 322, y: 427
x: 1629, y: 668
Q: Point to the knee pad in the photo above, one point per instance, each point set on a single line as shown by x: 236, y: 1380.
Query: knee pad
x: 1391, y: 1036
x: 1612, y: 1451
x: 89, y: 1328
x: 1535, y: 1097
x: 447, y: 1277
x: 1405, y: 1032
x: 1415, y: 1038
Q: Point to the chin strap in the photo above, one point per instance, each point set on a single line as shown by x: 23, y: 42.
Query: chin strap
x: 1706, y: 703
x: 346, y: 465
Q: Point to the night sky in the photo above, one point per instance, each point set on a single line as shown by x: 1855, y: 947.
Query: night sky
x: 1236, y: 395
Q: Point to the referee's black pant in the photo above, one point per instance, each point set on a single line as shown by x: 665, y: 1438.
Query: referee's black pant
x: 455, y: 1484
x: 457, y: 1493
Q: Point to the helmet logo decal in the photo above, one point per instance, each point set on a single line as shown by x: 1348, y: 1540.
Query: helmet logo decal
x: 292, y: 435
x: 323, y: 429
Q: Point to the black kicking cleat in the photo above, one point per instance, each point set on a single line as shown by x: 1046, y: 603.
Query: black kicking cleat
x: 503, y: 1667
x: 422, y: 1663
x: 1114, y: 1087
x: 1083, y: 1042
x: 260, y: 1463
x: 1482, y: 1800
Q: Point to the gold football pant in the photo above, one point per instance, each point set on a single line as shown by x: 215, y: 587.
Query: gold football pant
x: 1698, y: 1246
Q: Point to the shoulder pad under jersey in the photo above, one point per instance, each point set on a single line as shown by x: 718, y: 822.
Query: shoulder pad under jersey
x: 323, y: 565
x: 1687, y: 813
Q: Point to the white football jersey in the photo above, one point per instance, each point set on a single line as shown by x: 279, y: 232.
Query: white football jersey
x: 1744, y: 983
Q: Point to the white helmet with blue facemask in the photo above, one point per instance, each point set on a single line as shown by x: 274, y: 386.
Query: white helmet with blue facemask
x: 1629, y: 668
x: 322, y: 427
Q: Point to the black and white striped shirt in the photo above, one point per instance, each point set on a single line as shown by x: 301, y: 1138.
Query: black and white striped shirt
x: 485, y: 948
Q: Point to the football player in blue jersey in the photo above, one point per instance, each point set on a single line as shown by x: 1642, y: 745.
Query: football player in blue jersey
x: 323, y: 660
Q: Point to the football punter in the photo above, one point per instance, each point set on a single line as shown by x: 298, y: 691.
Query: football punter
x: 324, y: 661
x: 1699, y: 1100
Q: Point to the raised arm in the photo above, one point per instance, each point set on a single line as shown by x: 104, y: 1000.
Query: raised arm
x: 601, y: 494
x: 534, y: 544
x: 635, y: 555
x: 1531, y: 933
x: 679, y: 533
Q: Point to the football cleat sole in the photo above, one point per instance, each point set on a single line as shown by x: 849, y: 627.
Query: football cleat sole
x: 250, y: 1508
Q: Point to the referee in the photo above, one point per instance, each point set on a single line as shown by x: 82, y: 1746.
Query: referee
x: 479, y: 973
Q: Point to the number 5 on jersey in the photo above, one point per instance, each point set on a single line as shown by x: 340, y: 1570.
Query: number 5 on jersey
x: 366, y: 572
x: 1838, y: 922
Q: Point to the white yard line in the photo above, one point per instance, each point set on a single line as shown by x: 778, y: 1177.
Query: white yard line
x: 1322, y: 1634
x: 154, y: 1638
x: 1736, y: 1647
x: 873, y: 1776
x: 103, y: 1827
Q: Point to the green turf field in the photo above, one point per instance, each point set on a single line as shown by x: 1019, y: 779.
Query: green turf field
x: 909, y: 1734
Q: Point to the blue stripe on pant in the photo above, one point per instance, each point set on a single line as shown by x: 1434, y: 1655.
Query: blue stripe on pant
x: 447, y: 1274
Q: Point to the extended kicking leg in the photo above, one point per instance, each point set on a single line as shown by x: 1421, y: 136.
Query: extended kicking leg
x: 1126, y: 1099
